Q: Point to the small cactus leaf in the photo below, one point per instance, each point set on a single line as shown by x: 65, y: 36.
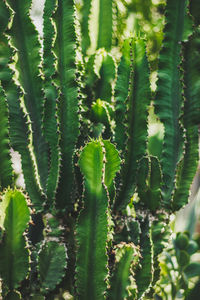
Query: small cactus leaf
x: 92, y: 226
x: 126, y: 255
x: 14, y: 255
x: 24, y: 38
x: 168, y: 101
x: 138, y: 102
x: 13, y: 296
x: 144, y: 272
x: 85, y: 34
x: 19, y: 131
x: 105, y: 25
x: 51, y: 95
x: 65, y: 49
x: 52, y: 262
x: 121, y: 94
x: 5, y: 159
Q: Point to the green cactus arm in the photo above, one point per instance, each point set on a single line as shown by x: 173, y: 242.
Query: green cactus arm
x: 121, y: 94
x: 137, y: 114
x: 168, y: 99
x: 91, y: 265
x: 24, y: 38
x: 51, y: 265
x: 126, y: 255
x: 155, y: 184
x: 191, y: 117
x: 19, y: 128
x: 187, y: 169
x: 85, y: 34
x: 90, y: 77
x: 101, y: 112
x: 14, y: 255
x: 144, y: 272
x: 65, y: 50
x: 105, y: 25
x: 191, y: 80
x: 106, y: 73
x: 142, y: 180
x: 100, y: 75
x: 148, y: 182
x: 112, y: 165
x: 6, y: 176
x: 51, y: 95
x: 160, y: 233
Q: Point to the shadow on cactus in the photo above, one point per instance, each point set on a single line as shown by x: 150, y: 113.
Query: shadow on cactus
x: 94, y: 216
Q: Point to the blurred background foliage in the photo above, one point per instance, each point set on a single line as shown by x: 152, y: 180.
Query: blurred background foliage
x: 146, y: 18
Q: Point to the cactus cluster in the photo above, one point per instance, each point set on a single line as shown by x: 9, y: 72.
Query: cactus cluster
x: 94, y: 215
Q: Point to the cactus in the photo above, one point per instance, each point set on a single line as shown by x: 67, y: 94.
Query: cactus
x: 14, y: 256
x: 90, y: 220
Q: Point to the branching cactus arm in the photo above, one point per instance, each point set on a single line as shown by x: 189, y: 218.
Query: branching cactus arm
x: 85, y: 34
x: 144, y: 272
x: 19, y: 122
x: 137, y: 112
x: 191, y: 117
x: 50, y: 118
x: 25, y: 39
x: 126, y: 257
x: 169, y: 99
x: 51, y: 265
x: 65, y: 50
x: 105, y: 25
x: 6, y: 176
x: 92, y: 227
x: 122, y: 87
